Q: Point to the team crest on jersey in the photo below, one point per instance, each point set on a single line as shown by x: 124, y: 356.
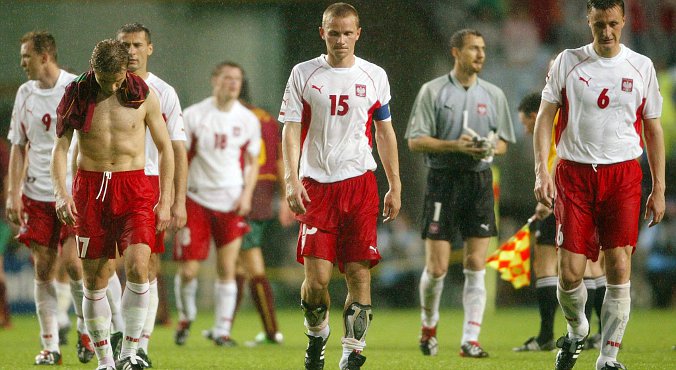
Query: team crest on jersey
x: 481, y: 109
x: 627, y: 84
x: 360, y: 90
x: 236, y: 131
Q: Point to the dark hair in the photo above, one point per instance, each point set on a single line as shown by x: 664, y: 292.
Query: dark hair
x: 133, y: 28
x: 530, y: 103
x: 43, y: 42
x: 458, y: 38
x: 604, y: 5
x: 217, y: 69
x: 339, y: 10
x: 109, y: 56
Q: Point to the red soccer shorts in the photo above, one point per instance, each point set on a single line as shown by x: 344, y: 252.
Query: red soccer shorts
x: 597, y: 207
x: 112, y: 208
x: 158, y: 246
x: 43, y: 227
x: 192, y: 241
x: 340, y: 222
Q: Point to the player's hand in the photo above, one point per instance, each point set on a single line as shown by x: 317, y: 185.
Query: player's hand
x: 14, y: 210
x: 467, y: 145
x: 286, y: 216
x: 542, y: 211
x: 179, y: 215
x: 65, y: 210
x: 654, y: 209
x: 544, y: 190
x: 162, y: 216
x: 296, y: 195
x: 243, y: 206
x: 392, y: 205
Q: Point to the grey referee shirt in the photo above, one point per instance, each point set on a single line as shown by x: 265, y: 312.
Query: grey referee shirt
x: 438, y: 112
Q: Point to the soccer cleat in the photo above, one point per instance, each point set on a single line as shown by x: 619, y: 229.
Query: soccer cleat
x: 428, y: 341
x: 262, y: 339
x: 593, y: 342
x: 569, y: 351
x: 63, y: 335
x: 472, y: 349
x: 354, y: 361
x: 116, y: 344
x: 85, y: 349
x: 131, y: 363
x: 613, y: 366
x: 532, y: 345
x: 144, y: 356
x: 48, y: 358
x: 223, y: 340
x: 314, y: 354
x: 182, y: 332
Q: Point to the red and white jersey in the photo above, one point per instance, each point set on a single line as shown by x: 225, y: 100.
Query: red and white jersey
x: 216, y: 143
x: 173, y: 116
x: 34, y: 124
x: 603, y: 103
x: 335, y: 108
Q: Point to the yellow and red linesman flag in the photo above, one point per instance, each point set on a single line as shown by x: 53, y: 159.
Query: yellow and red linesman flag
x: 512, y: 259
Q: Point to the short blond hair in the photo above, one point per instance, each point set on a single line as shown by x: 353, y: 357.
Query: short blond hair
x: 339, y: 10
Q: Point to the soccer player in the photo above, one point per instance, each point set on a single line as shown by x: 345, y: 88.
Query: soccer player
x: 608, y: 95
x: 224, y: 140
x: 136, y: 37
x: 544, y: 256
x: 30, y: 199
x: 459, y: 121
x: 251, y: 265
x: 113, y: 200
x: 328, y: 110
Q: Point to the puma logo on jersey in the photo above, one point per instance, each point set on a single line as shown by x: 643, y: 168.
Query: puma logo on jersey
x: 318, y: 88
x: 585, y: 81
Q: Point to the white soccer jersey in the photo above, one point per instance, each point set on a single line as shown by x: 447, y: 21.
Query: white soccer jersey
x: 34, y: 124
x: 173, y: 116
x: 603, y: 102
x: 216, y: 144
x: 335, y: 108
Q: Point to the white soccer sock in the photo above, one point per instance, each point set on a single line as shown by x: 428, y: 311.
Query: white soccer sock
x: 614, y: 318
x: 63, y: 301
x: 96, y: 312
x: 185, y: 294
x: 572, y: 304
x: 77, y: 292
x: 134, y: 310
x: 225, y: 297
x: 430, y: 290
x: 45, y: 306
x: 473, y: 303
x: 114, y: 294
x: 149, y: 325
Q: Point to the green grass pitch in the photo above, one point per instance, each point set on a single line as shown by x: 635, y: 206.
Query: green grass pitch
x: 392, y: 343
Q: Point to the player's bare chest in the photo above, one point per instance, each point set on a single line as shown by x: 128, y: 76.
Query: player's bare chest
x: 109, y: 115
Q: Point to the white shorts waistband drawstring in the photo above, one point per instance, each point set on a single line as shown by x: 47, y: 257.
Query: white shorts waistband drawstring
x: 104, y: 184
x: 594, y: 167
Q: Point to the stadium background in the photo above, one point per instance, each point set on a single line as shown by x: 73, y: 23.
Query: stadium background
x: 409, y: 39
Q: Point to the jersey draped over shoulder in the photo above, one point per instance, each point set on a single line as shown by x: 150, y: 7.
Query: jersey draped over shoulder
x: 336, y: 108
x: 216, y: 142
x: 170, y: 107
x: 33, y: 124
x: 77, y: 105
x: 603, y: 104
x: 439, y: 111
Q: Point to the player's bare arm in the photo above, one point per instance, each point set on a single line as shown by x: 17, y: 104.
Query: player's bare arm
x: 251, y: 167
x: 386, y: 142
x: 295, y: 191
x: 286, y: 216
x: 654, y: 140
x: 428, y: 144
x: 15, y: 172
x: 160, y: 135
x: 65, y: 207
x: 178, y: 212
x: 544, y: 190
